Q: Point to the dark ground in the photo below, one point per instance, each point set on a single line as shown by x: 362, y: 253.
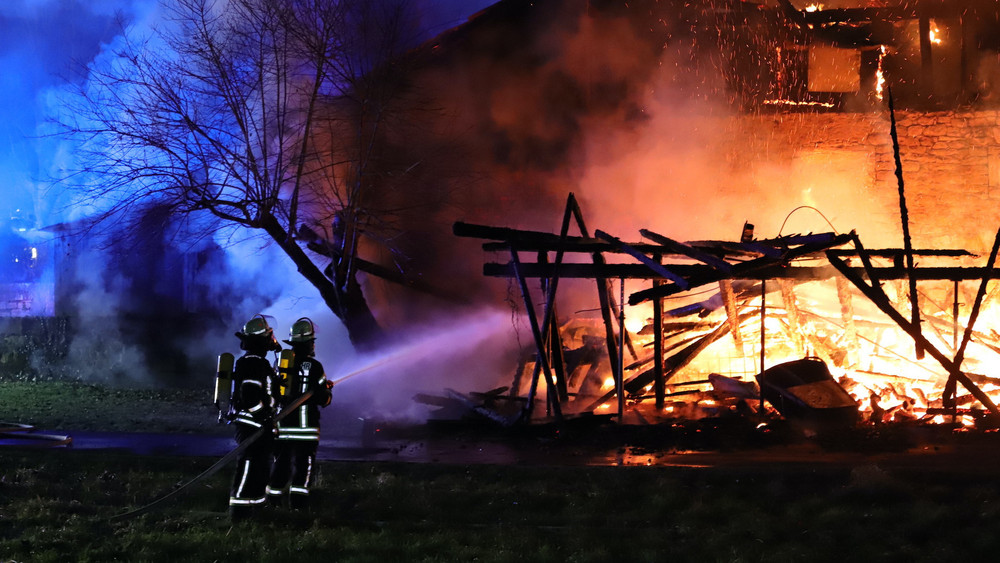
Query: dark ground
x: 180, y: 422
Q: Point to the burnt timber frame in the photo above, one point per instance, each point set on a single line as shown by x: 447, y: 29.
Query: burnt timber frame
x: 708, y: 262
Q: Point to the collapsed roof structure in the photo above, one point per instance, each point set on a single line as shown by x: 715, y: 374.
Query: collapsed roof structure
x: 741, y: 270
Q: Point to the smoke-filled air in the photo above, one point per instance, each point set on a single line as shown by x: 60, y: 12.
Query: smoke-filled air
x: 339, y: 205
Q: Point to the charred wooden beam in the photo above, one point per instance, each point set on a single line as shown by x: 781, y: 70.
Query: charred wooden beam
x: 515, y: 236
x: 772, y: 272
x: 847, y: 316
x: 877, y: 296
x: 537, y: 333
x: 903, y: 213
x: 686, y: 250
x: 655, y: 266
x: 751, y: 269
x: 707, y: 251
x: 671, y: 364
x: 792, y: 313
x: 973, y: 315
x: 896, y: 254
x: 906, y: 11
x: 659, y: 389
x: 729, y: 301
x: 550, y: 331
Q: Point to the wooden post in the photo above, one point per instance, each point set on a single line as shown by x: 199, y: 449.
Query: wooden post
x: 950, y: 386
x: 659, y: 385
x: 621, y: 357
x: 609, y: 329
x: 550, y: 295
x: 551, y: 335
x: 954, y: 319
x: 763, y: 341
x: 559, y: 362
x: 537, y: 333
x: 602, y: 287
x: 729, y: 301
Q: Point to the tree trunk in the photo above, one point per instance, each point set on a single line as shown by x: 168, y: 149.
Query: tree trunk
x: 348, y: 302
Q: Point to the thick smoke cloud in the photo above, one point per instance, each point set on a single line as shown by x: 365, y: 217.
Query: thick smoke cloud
x: 45, y: 48
x: 585, y: 102
x: 628, y: 106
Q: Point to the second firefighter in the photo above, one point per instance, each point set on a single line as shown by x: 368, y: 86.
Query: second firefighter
x: 298, y: 432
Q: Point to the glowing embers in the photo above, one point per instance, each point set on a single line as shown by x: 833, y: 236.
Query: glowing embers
x: 797, y: 103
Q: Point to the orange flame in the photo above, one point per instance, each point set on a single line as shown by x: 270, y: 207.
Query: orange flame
x: 880, y: 75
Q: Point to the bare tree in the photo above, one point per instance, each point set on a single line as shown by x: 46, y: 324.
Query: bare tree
x: 265, y: 114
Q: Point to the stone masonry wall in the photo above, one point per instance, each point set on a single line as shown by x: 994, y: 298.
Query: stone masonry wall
x: 950, y: 163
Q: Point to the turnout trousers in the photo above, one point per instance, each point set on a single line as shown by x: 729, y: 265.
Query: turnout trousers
x: 252, y: 470
x: 294, y: 462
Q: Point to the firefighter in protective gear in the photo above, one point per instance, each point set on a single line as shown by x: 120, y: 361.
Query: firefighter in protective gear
x: 298, y: 433
x: 253, y: 407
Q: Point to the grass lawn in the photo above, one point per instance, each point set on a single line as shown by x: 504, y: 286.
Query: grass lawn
x: 55, y: 505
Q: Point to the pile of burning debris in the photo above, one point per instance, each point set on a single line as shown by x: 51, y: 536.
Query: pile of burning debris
x: 800, y: 327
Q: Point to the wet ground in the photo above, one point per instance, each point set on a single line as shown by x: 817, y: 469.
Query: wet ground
x: 688, y: 444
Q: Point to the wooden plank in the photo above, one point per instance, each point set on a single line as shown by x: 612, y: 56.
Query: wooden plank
x: 656, y: 267
x: 751, y: 269
x: 689, y: 251
x: 729, y: 302
x: 572, y: 270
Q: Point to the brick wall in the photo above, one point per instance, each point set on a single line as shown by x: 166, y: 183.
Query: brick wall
x: 27, y: 300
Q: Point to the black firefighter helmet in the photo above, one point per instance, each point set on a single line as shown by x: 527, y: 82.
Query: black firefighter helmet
x: 302, y: 331
x: 257, y: 335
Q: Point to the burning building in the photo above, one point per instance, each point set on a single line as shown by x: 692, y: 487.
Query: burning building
x: 682, y: 118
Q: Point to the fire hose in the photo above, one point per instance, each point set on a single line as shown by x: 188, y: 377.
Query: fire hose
x: 223, y: 461
x: 27, y: 437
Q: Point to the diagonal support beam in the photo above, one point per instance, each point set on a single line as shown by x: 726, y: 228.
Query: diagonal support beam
x: 536, y: 332
x: 689, y: 251
x: 905, y: 221
x: 973, y: 315
x: 878, y: 297
x: 657, y: 268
